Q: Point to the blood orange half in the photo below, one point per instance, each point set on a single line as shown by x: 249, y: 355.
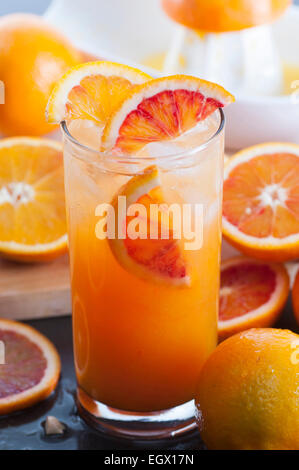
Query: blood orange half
x: 261, y: 201
x: 252, y: 295
x: 31, y: 367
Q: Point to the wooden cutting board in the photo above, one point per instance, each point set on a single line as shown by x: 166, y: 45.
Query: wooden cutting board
x: 34, y: 291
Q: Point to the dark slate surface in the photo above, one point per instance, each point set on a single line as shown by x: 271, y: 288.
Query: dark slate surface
x: 25, y: 430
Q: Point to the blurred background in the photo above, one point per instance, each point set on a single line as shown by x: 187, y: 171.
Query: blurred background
x: 31, y: 6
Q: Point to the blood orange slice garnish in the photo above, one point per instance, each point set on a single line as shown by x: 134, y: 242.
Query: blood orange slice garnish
x: 162, y: 110
x: 32, y: 201
x: 31, y: 367
x: 156, y: 254
x: 92, y: 91
x: 252, y: 294
x: 261, y: 201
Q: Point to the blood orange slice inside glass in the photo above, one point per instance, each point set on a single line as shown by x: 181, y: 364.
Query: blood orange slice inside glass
x: 156, y: 254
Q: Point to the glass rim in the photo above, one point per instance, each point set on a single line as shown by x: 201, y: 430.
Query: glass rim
x: 137, y: 158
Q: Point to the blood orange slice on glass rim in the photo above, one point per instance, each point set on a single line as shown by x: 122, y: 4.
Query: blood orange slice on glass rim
x: 252, y: 294
x: 156, y: 255
x: 161, y: 110
x: 261, y: 201
x: 31, y: 367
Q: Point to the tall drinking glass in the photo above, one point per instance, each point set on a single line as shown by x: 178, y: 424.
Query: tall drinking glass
x: 144, y: 305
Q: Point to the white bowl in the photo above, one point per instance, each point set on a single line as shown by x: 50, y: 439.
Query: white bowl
x: 128, y: 31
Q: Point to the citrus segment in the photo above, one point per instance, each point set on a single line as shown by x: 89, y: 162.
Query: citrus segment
x: 32, y: 204
x: 252, y: 294
x: 261, y: 196
x: 31, y: 368
x: 160, y: 110
x: 156, y: 254
x: 92, y: 91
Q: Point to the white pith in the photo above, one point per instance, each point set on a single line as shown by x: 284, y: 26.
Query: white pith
x: 225, y: 291
x: 144, y: 189
x: 272, y: 195
x: 264, y: 309
x: 14, y: 247
x: 30, y: 142
x: 16, y: 194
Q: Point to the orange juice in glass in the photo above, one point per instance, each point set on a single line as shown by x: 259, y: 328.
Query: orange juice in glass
x: 145, y: 301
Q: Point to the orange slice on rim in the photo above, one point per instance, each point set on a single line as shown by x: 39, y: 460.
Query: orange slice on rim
x: 155, y: 254
x: 162, y: 110
x: 32, y: 202
x: 31, y: 367
x: 252, y: 295
x: 261, y: 201
x: 92, y: 91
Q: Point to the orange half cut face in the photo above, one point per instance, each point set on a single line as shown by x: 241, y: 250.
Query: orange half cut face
x: 261, y: 201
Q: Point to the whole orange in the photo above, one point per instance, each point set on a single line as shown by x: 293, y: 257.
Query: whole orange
x: 295, y: 297
x: 224, y: 15
x: 33, y: 56
x: 248, y: 392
